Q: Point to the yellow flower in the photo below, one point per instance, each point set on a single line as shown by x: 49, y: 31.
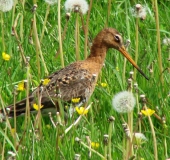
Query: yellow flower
x: 103, y: 84
x: 13, y: 131
x: 81, y: 110
x: 21, y: 86
x: 95, y: 145
x: 46, y: 81
x: 5, y: 56
x: 35, y: 106
x: 148, y: 112
x: 75, y: 100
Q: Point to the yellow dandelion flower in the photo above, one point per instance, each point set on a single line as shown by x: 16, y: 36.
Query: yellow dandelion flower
x: 21, y: 86
x: 5, y: 56
x: 75, y: 100
x: 81, y: 110
x: 104, y: 85
x: 36, y: 107
x: 46, y: 81
x: 94, y: 145
x: 148, y: 112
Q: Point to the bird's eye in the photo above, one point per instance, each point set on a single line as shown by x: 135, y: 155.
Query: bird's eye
x: 117, y: 38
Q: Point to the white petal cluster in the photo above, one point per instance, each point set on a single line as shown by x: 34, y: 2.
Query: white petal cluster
x: 70, y: 5
x: 6, y: 5
x: 123, y: 102
x: 51, y: 2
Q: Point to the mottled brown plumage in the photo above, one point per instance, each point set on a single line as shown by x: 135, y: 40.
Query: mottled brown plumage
x: 79, y: 78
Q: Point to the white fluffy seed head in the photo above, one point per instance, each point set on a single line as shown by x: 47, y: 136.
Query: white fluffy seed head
x: 123, y: 102
x: 51, y: 2
x: 6, y: 5
x: 166, y: 41
x: 139, y: 11
x: 71, y: 5
x: 140, y: 138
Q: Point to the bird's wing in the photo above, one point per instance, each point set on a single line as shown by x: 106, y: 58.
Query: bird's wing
x: 70, y: 82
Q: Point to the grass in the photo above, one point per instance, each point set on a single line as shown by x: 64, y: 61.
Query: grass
x: 29, y: 142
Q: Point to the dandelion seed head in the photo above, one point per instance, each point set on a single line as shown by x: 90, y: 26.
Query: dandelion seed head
x: 166, y: 41
x: 139, y: 11
x: 123, y: 102
x: 6, y: 5
x: 51, y: 2
x: 140, y: 138
x: 76, y: 5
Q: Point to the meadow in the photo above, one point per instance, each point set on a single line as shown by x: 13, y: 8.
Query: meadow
x: 39, y: 38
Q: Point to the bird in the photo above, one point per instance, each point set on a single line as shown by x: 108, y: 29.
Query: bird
x: 77, y: 80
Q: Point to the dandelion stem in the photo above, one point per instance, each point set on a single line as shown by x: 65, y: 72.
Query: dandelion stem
x: 59, y: 35
x: 27, y: 115
x: 17, y: 38
x: 108, y: 12
x: 158, y: 42
x: 38, y: 48
x: 21, y: 22
x: 3, y: 149
x: 2, y: 32
x: 77, y: 41
x: 137, y: 45
x: 45, y: 21
x: 86, y: 30
x: 63, y: 36
x: 153, y: 135
x: 128, y: 33
x: 137, y: 103
x: 110, y: 135
x: 15, y: 124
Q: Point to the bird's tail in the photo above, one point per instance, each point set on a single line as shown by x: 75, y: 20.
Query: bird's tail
x: 19, y: 108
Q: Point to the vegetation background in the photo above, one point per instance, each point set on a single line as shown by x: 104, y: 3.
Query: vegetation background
x: 29, y: 142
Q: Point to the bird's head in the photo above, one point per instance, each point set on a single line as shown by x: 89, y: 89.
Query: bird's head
x: 111, y: 38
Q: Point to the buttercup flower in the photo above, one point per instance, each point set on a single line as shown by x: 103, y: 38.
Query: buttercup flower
x: 95, y: 145
x: 46, y: 81
x: 21, y: 86
x: 104, y: 85
x: 35, y: 106
x: 81, y: 110
x: 51, y: 2
x: 76, y: 5
x: 123, y: 102
x: 5, y: 56
x: 148, y: 112
x: 6, y: 5
x: 75, y: 100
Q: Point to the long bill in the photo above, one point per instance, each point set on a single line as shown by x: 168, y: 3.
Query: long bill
x: 126, y: 54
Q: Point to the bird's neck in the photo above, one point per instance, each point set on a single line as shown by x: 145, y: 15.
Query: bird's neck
x: 98, y: 53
